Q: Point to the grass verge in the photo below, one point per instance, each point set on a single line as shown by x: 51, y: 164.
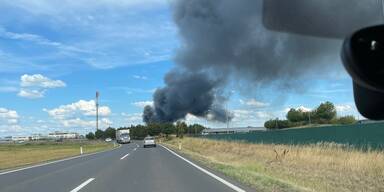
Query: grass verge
x: 18, y: 155
x: 268, y: 167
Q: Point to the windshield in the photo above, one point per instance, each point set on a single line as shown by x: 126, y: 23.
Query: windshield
x: 256, y: 95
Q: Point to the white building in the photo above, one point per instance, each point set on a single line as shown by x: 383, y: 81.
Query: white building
x: 36, y: 137
x: 17, y: 138
x: 63, y: 135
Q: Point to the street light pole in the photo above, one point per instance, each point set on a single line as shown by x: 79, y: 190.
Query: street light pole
x: 97, y: 110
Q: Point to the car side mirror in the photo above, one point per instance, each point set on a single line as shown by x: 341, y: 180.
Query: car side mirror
x: 363, y: 57
x: 321, y: 18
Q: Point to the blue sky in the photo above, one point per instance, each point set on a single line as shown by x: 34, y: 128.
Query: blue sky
x: 55, y: 55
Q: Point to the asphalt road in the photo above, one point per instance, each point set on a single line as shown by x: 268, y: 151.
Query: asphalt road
x: 128, y: 168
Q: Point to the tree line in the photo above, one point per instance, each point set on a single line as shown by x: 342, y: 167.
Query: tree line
x: 153, y: 129
x: 325, y: 113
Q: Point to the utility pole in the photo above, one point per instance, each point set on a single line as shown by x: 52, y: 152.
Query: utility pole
x: 97, y: 110
x: 226, y: 113
x: 309, y: 115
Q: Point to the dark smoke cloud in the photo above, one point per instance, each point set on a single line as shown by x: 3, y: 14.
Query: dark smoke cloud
x: 229, y: 38
x: 224, y: 40
x: 186, y: 92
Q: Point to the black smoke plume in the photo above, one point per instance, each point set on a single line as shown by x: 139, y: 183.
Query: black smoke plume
x: 185, y: 92
x: 225, y: 41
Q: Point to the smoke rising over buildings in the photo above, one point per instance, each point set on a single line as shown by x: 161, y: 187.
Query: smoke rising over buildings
x: 223, y: 40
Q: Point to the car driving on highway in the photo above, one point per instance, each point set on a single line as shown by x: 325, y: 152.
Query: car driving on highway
x: 149, y: 142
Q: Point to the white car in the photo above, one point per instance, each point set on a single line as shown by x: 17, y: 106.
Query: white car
x: 149, y: 142
x: 108, y: 140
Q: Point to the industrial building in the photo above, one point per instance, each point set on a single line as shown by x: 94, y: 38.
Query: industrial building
x: 63, y: 135
x: 16, y: 138
x: 232, y: 130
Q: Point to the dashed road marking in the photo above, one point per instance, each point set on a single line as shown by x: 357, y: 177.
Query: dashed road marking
x: 82, y: 185
x: 124, y: 156
x: 230, y: 185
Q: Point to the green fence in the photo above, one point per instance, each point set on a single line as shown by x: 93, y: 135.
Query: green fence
x: 360, y: 135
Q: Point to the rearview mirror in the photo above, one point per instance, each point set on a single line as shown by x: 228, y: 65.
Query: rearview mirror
x: 363, y: 57
x: 321, y: 18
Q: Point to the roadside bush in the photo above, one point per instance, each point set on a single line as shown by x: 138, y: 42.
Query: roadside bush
x: 347, y: 120
x: 90, y: 136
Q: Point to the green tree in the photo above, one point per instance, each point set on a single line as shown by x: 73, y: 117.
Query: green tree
x: 180, y: 129
x: 195, y: 129
x: 154, y: 129
x: 277, y: 124
x: 99, y: 134
x: 90, y: 136
x: 272, y: 124
x: 168, y: 128
x: 110, y: 133
x: 138, y: 131
x: 326, y: 111
x: 294, y: 115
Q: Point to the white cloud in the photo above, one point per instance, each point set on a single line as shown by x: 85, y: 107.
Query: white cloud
x: 133, y: 118
x: 80, y: 114
x: 140, y: 77
x: 142, y: 104
x: 9, y: 116
x: 11, y: 129
x: 244, y: 117
x: 344, y: 107
x: 38, y: 80
x: 82, y: 107
x: 9, y: 121
x: 241, y: 114
x: 302, y: 108
x: 254, y: 103
x: 113, y: 33
x: 51, y: 8
x: 38, y: 40
x: 31, y: 94
x: 35, y: 86
x: 106, y: 121
x: 77, y: 122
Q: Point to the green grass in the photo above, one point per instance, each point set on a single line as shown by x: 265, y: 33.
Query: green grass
x: 265, y: 167
x: 18, y: 155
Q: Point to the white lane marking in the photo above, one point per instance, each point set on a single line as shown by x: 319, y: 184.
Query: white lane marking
x: 137, y: 145
x: 230, y: 185
x: 134, y: 149
x: 53, y: 162
x: 82, y: 185
x: 124, y: 156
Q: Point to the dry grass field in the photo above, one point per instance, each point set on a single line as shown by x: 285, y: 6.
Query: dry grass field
x: 16, y: 155
x: 266, y: 167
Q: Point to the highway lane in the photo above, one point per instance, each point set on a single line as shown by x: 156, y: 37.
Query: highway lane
x: 128, y: 168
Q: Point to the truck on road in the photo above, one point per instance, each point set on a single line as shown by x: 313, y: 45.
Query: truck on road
x: 122, y: 136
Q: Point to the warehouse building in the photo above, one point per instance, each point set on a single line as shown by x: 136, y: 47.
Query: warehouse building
x: 232, y: 130
x: 63, y: 135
